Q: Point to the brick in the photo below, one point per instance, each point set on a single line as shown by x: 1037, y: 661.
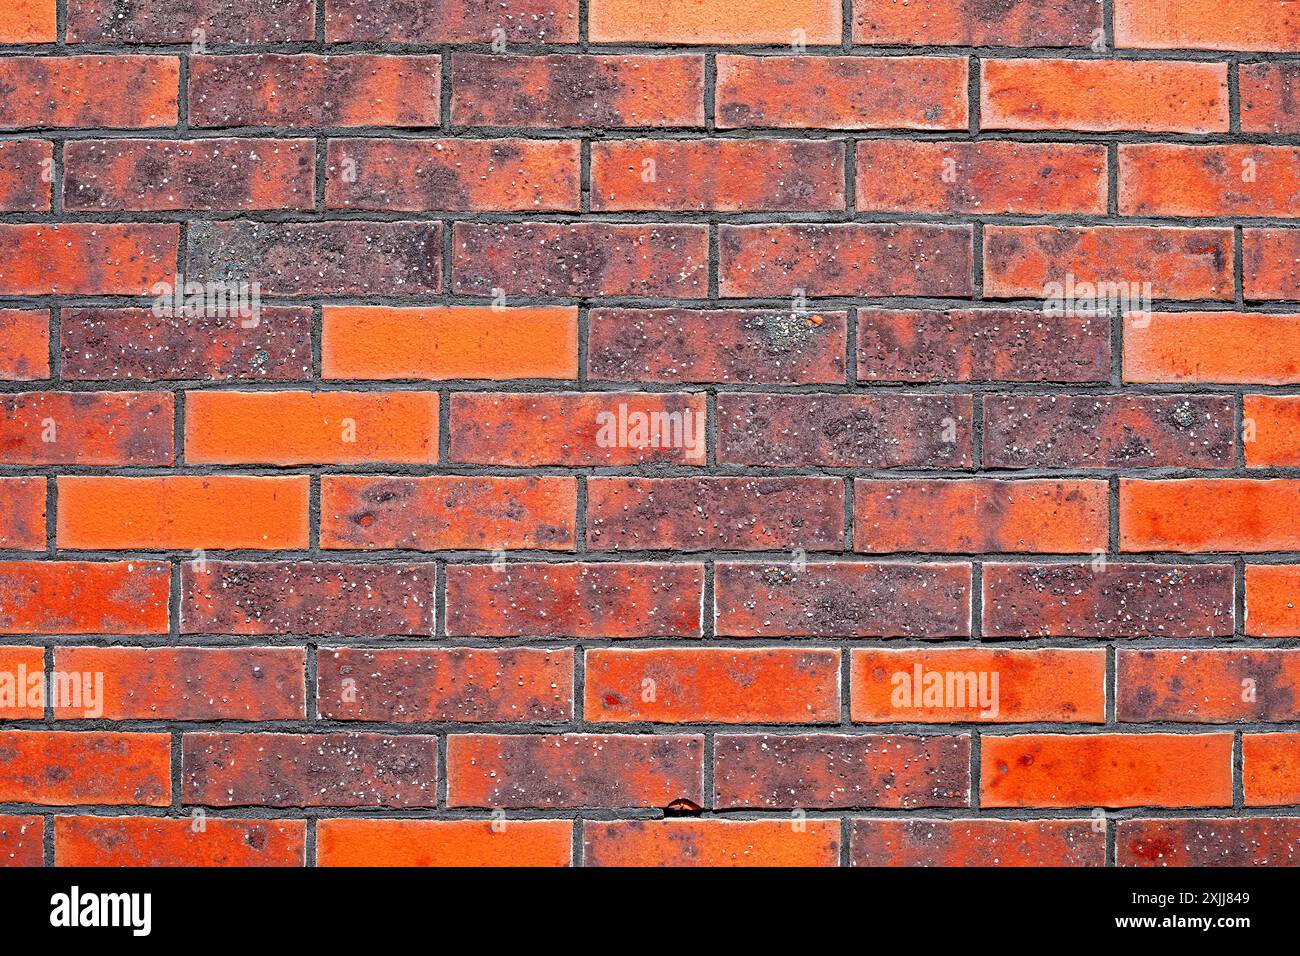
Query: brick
x: 22, y: 683
x: 578, y: 600
x: 183, y: 512
x: 712, y: 842
x: 1271, y: 263
x: 1273, y: 600
x: 899, y: 175
x: 1276, y: 436
x: 467, y: 342
x: 1207, y: 686
x: 715, y: 21
x: 65, y: 769
x: 1107, y: 600
x: 1270, y: 770
x: 183, y: 21
x: 287, y: 428
x: 974, y: 515
x: 852, y: 431
x: 702, y: 514
x: 851, y: 92
x: 444, y: 842
x: 306, y: 91
x: 307, y: 597
x: 971, y: 23
x: 26, y: 171
x: 30, y: 21
x: 833, y: 771
x: 462, y: 685
x: 719, y: 346
x: 1254, y: 841
x: 1209, y: 514
x: 85, y: 258
x: 89, y: 92
x: 319, y: 258
x: 1161, y: 262
x: 1268, y: 92
x: 843, y: 600
x: 86, y: 428
x: 22, y: 514
x: 976, y: 843
x: 579, y: 259
x: 1104, y: 95
x: 452, y: 21
x: 573, y: 770
x: 1205, y: 25
x: 22, y: 841
x: 1106, y: 770
x: 210, y: 174
x: 873, y: 259
x: 189, y: 683
x: 1228, y: 347
x: 83, y: 597
x: 480, y: 175
x: 309, y: 770
x: 731, y: 175
x: 572, y: 429
x: 437, y: 513
x: 562, y: 90
x: 1165, y: 179
x: 101, y: 344
x: 24, y: 344
x: 161, y: 842
x: 1109, y: 431
x: 713, y: 685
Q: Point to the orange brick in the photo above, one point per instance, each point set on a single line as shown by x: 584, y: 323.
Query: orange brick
x: 86, y: 258
x: 158, y: 841
x: 1228, y: 347
x: 83, y: 597
x: 86, y: 428
x: 920, y: 842
x: 22, y: 841
x: 22, y: 683
x: 716, y: 21
x: 24, y: 344
x: 1270, y: 769
x: 29, y: 21
x: 123, y: 92
x: 22, y: 513
x: 1167, y: 179
x: 1207, y: 25
x: 1273, y: 600
x: 658, y: 843
x: 1207, y: 686
x: 1272, y: 429
x: 1209, y: 514
x: 1268, y: 95
x: 444, y: 843
x: 63, y: 769
x: 1270, y: 263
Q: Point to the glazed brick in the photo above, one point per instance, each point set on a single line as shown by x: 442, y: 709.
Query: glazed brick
x: 480, y: 175
x: 970, y: 516
x: 89, y: 92
x: 1207, y: 686
x: 711, y: 842
x: 1209, y: 514
x: 319, y: 258
x: 99, y: 344
x: 563, y: 90
x: 86, y: 258
x: 159, y: 841
x: 728, y: 514
x: 183, y: 512
x: 466, y: 342
x: 976, y: 843
x: 573, y: 429
x: 1276, y: 438
x: 972, y: 23
x: 22, y: 841
x: 1271, y: 263
x: 1108, y: 600
x: 573, y: 770
x: 153, y: 175
x: 287, y: 428
x: 26, y: 171
x: 852, y: 92
x: 719, y: 346
x: 306, y: 91
x: 863, y: 431
x: 1227, y: 347
x: 575, y: 600
x: 465, y: 685
x: 66, y: 769
x: 180, y: 21
x: 307, y: 597
x: 843, y: 600
x: 713, y: 685
x: 716, y: 21
x: 457, y: 21
x: 1268, y: 92
x: 30, y: 21
x: 724, y: 175
x: 1106, y: 770
x: 22, y: 513
x: 1104, y: 95
x: 1109, y: 431
x: 190, y: 683
x: 1204, y: 25
x: 83, y: 597
x: 875, y: 259
x: 1177, y: 263
x: 1253, y: 841
x: 832, y: 771
x: 579, y: 259
x: 1037, y: 685
x: 309, y: 770
x: 86, y: 428
x: 1273, y: 600
x: 24, y: 345
x: 899, y: 175
x: 1177, y: 180
x: 444, y: 842
x: 437, y: 513
x: 1270, y: 770
x: 19, y: 698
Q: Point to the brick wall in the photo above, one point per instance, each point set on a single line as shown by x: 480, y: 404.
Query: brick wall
x: 967, y: 531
